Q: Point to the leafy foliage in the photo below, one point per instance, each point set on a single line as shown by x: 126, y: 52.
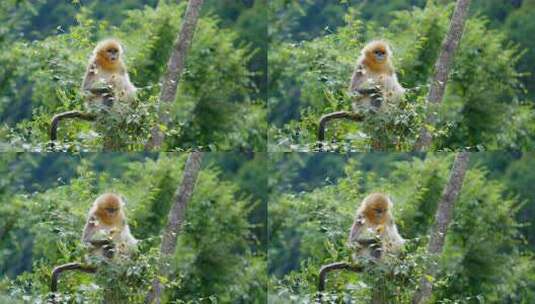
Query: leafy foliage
x: 214, y: 257
x: 483, y: 107
x: 216, y: 91
x: 309, y: 229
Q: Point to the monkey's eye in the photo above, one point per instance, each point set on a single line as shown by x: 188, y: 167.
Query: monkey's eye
x: 379, y: 52
x: 379, y: 210
x: 113, y: 51
x: 111, y: 210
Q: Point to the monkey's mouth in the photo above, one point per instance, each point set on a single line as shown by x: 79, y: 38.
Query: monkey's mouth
x: 380, y: 55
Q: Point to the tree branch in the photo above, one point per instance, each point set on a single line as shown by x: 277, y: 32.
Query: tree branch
x: 373, y: 93
x: 325, y: 269
x: 69, y: 114
x: 336, y: 115
x: 442, y: 68
x: 442, y: 220
x: 175, y: 66
x: 65, y: 267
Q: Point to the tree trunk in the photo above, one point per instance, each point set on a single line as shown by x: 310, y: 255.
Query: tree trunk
x: 442, y: 68
x: 442, y: 221
x: 175, y: 66
x: 176, y: 218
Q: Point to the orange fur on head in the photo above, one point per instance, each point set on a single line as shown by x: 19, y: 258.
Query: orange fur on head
x: 102, y: 205
x: 371, y: 204
x: 101, y: 55
x: 369, y: 59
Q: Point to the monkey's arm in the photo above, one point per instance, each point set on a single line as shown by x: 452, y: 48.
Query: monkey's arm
x: 128, y: 90
x: 127, y: 236
x: 94, y: 245
x: 394, y: 240
x: 357, y: 78
x: 356, y: 229
x: 91, y: 85
x: 90, y: 229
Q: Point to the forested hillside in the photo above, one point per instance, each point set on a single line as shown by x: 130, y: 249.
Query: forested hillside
x: 46, y: 46
x: 488, y: 102
x: 488, y: 252
x: 220, y: 254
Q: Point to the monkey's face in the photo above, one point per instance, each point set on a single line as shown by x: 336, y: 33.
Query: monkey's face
x: 109, y: 209
x: 377, y: 212
x: 109, y: 54
x: 112, y: 53
x: 380, y: 54
x: 377, y: 53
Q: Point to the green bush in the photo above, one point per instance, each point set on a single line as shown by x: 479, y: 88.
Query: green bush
x: 216, y: 90
x: 214, y: 258
x: 482, y: 109
x: 309, y: 229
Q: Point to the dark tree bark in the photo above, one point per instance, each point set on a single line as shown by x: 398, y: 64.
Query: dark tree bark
x: 325, y: 269
x: 442, y: 220
x: 442, y: 69
x: 70, y: 114
x: 62, y: 268
x: 373, y: 93
x: 335, y: 115
x: 177, y: 215
x: 175, y: 67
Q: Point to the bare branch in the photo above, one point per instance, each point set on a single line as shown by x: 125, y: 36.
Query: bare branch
x: 175, y: 67
x: 65, y: 267
x: 69, y: 114
x: 336, y: 115
x: 442, y: 68
x: 374, y: 93
x: 325, y: 269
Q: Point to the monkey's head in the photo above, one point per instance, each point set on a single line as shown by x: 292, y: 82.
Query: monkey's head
x: 377, y: 55
x: 109, y: 208
x: 376, y: 208
x: 108, y: 54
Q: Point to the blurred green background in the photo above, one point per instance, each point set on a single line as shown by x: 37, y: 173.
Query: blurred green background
x: 220, y: 104
x: 489, y: 249
x: 488, y: 104
x: 221, y: 252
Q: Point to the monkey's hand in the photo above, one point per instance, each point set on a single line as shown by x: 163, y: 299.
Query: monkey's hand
x: 374, y: 93
x: 380, y: 229
x: 369, y: 91
x: 101, y: 90
x: 100, y: 243
x: 372, y: 246
x: 99, y: 87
